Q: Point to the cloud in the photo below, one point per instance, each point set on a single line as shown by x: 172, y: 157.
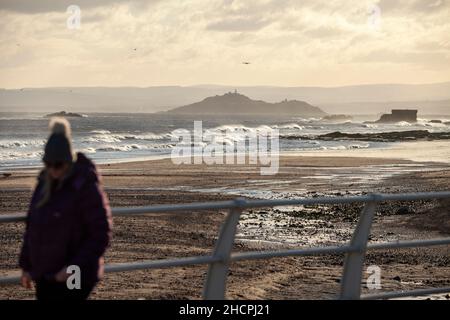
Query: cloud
x: 426, y: 45
x: 239, y: 24
x: 43, y: 6
x: 289, y: 42
x: 324, y: 32
x: 242, y: 16
x: 413, y: 6
x: 417, y: 58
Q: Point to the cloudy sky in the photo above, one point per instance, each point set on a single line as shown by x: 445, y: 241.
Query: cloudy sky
x: 188, y: 42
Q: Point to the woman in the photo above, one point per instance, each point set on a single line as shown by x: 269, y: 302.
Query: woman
x: 68, y: 223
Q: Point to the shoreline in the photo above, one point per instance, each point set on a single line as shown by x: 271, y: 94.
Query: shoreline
x: 435, y: 152
x: 417, y: 151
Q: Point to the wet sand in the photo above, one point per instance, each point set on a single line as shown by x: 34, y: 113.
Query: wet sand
x: 159, y: 236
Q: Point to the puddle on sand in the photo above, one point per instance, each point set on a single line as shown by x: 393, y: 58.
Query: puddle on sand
x: 287, y: 227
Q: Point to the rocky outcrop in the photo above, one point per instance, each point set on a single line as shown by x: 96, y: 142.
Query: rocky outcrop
x: 394, y: 136
x: 398, y: 116
x: 65, y: 114
x: 388, y: 136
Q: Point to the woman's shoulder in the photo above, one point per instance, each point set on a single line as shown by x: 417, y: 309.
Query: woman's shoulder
x: 84, y: 171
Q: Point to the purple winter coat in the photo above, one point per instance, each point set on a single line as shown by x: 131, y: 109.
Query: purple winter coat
x: 72, y: 228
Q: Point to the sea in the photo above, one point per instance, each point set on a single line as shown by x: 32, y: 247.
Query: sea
x: 109, y: 138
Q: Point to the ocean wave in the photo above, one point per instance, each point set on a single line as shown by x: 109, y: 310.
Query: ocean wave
x: 101, y: 131
x: 231, y: 128
x: 88, y: 150
x: 359, y: 146
x: 111, y: 148
x: 163, y: 146
x: 130, y: 147
x: 368, y: 125
x: 333, y: 148
x: 14, y: 155
x: 108, y: 137
x: 286, y: 126
x: 342, y: 147
x: 264, y: 128
x: 434, y: 125
x: 314, y: 127
x: 21, y: 143
x: 403, y: 124
x: 183, y: 144
x: 148, y: 136
x: 312, y: 142
x: 238, y: 128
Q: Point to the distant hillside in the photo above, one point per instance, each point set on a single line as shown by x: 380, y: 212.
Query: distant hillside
x: 363, y: 99
x: 235, y: 103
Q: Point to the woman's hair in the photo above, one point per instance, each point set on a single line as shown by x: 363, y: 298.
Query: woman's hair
x: 49, y: 185
x: 46, y: 190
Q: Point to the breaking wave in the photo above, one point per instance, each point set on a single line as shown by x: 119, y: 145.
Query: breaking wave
x: 21, y: 144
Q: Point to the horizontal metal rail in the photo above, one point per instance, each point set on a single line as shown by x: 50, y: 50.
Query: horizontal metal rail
x: 245, y: 204
x: 403, y: 294
x: 219, y: 261
x: 409, y: 244
x: 159, y: 264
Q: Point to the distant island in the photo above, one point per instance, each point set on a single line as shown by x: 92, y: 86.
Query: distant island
x: 65, y: 114
x: 235, y: 103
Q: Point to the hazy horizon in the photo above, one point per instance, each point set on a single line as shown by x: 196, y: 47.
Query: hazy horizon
x: 365, y: 99
x: 232, y: 85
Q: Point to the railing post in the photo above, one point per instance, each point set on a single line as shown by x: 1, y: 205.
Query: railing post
x: 216, y: 279
x: 354, y: 261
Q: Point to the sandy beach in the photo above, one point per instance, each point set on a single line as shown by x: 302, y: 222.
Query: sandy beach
x: 159, y: 236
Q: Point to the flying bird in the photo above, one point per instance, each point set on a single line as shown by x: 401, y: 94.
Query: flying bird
x: 245, y: 62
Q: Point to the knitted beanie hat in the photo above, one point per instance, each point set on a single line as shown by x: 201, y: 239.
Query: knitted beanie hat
x: 59, y: 145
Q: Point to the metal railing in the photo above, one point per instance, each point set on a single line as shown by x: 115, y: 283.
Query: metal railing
x: 219, y: 261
